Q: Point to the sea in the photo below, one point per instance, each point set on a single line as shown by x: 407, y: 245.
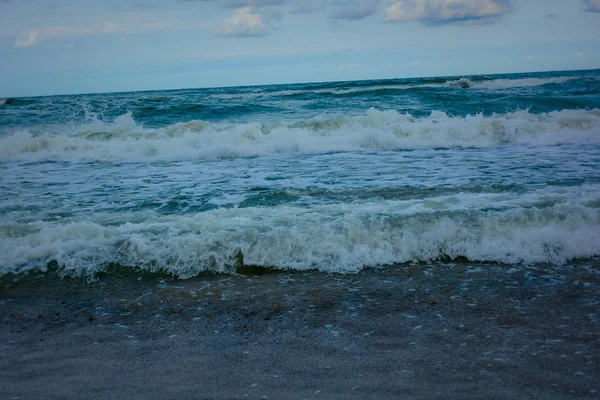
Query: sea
x: 333, y: 177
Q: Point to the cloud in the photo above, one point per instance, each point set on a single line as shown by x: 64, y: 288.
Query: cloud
x: 552, y: 15
x: 29, y: 40
x: 242, y: 3
x: 531, y: 58
x: 33, y: 38
x: 356, y: 9
x: 308, y: 6
x: 438, y: 12
x: 246, y: 22
x: 580, y: 54
x: 251, y: 3
x: 592, y: 5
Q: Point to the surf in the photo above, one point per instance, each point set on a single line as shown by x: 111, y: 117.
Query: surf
x: 125, y: 140
x: 340, y: 238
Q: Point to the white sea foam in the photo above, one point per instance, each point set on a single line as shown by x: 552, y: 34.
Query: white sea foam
x: 124, y: 140
x: 497, y: 84
x: 334, y: 237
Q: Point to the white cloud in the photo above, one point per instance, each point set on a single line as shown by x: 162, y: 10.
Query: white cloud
x: 592, y: 5
x: 33, y: 38
x: 580, y: 54
x: 435, y: 12
x: 246, y: 22
x: 531, y: 58
x: 28, y: 40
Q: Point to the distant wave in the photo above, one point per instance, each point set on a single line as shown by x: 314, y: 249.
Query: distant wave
x: 334, y: 238
x: 462, y: 83
x: 476, y: 83
x: 495, y: 84
x: 124, y: 140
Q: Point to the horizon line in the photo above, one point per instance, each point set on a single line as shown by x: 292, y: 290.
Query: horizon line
x: 298, y: 83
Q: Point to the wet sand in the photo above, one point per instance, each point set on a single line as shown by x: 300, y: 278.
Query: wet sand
x: 413, y: 331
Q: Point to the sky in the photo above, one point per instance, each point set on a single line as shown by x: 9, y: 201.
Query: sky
x: 74, y: 46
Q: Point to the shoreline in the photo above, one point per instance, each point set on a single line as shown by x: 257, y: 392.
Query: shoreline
x: 415, y: 331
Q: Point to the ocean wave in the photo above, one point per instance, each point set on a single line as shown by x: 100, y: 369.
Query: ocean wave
x: 126, y: 141
x: 389, y: 87
x: 498, y: 84
x: 461, y: 83
x: 334, y: 238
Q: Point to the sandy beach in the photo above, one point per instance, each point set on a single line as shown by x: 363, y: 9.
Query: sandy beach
x: 411, y: 331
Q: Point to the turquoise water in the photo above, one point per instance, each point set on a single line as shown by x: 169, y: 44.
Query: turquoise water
x: 330, y: 176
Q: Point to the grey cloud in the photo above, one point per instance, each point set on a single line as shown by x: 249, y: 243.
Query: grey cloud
x: 308, y: 6
x: 551, y: 16
x: 251, y: 3
x: 438, y: 12
x: 242, y: 3
x: 356, y: 9
x: 592, y: 5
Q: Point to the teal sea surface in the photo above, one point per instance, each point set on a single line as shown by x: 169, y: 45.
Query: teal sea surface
x: 332, y: 176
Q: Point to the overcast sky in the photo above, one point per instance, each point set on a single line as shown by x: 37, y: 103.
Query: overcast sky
x: 73, y: 46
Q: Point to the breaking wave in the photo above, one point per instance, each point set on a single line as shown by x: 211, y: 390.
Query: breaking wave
x: 334, y: 238
x: 125, y: 140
